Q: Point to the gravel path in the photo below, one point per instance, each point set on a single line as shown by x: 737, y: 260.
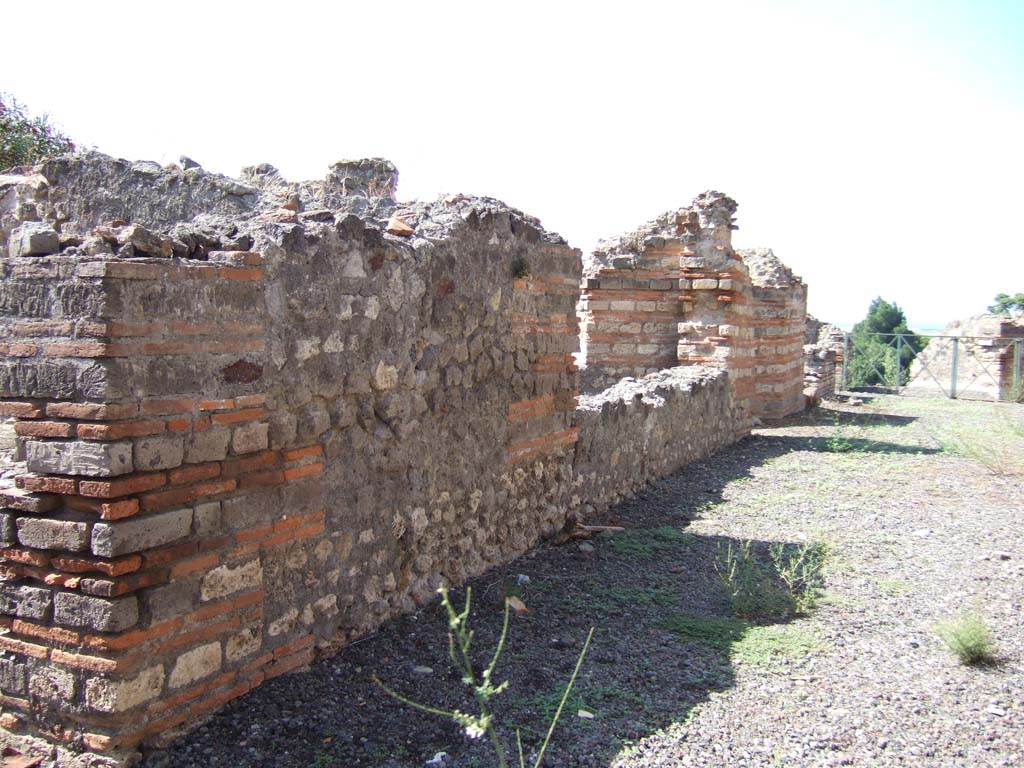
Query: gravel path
x: 921, y: 502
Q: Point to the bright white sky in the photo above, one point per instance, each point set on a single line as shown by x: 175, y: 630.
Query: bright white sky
x: 877, y: 146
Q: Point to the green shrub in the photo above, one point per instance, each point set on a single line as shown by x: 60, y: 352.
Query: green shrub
x: 788, y: 583
x: 24, y: 139
x: 968, y: 638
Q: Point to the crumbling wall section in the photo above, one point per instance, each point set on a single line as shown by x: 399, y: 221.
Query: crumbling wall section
x: 988, y: 359
x: 779, y: 300
x: 640, y: 430
x: 237, y: 458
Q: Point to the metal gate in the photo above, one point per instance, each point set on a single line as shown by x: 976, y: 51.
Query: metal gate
x: 969, y: 367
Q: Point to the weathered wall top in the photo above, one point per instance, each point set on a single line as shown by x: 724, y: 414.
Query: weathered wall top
x: 709, y: 211
x: 767, y: 270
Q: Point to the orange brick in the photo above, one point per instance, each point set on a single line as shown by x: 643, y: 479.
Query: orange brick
x: 41, y: 484
x: 288, y: 664
x: 18, y: 350
x: 94, y: 411
x: 131, y: 639
x: 77, y: 349
x: 108, y: 489
x: 235, y: 273
x: 261, y: 479
x: 53, y: 634
x: 234, y: 417
x: 170, y: 554
x: 255, y: 664
x: 178, y: 425
x: 216, y: 702
x: 262, y: 460
x: 194, y: 473
x: 118, y: 567
x: 301, y: 453
x: 26, y: 556
x: 248, y: 599
x: 216, y: 405
x: 20, y: 410
x: 214, y: 488
x: 42, y: 328
x: 107, y: 510
x: 170, y: 347
x: 201, y: 424
x: 8, y: 643
x: 118, y: 431
x: 167, y: 406
x: 162, y: 705
x: 306, y: 641
x: 200, y: 563
x: 44, y: 429
x: 194, y: 636
x: 300, y: 472
x: 95, y: 663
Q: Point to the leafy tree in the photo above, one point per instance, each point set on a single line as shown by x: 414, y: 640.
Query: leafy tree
x: 1008, y: 305
x: 25, y: 140
x: 874, y: 343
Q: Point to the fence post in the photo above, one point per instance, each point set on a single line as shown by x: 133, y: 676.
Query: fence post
x: 899, y: 361
x: 1018, y: 348
x: 956, y: 359
x: 846, y: 358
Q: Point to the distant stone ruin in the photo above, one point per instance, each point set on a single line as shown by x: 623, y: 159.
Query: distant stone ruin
x: 985, y: 351
x: 253, y: 419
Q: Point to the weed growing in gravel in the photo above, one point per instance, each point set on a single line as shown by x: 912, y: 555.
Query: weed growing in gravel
x: 645, y: 543
x: 790, y: 585
x: 460, y: 639
x: 968, y: 638
x: 748, y: 643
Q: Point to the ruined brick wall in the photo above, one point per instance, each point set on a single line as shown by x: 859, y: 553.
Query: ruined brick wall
x: 988, y: 347
x: 638, y: 431
x: 823, y: 355
x: 235, y: 456
x: 779, y: 303
x: 674, y: 292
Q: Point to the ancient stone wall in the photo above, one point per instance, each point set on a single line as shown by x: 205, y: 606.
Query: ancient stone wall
x: 257, y: 418
x: 235, y: 456
x: 640, y: 430
x: 674, y: 292
x: 988, y: 348
x: 823, y: 356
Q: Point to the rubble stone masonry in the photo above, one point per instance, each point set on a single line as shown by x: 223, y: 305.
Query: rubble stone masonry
x: 254, y: 419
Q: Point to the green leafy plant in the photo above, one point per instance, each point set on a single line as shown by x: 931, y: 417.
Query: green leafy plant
x: 24, y: 139
x: 476, y: 725
x: 788, y: 584
x: 968, y: 637
x: 802, y: 570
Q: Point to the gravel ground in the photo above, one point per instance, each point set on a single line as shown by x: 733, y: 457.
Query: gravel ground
x: 921, y: 503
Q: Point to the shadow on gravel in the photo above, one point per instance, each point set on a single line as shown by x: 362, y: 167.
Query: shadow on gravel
x: 665, y: 640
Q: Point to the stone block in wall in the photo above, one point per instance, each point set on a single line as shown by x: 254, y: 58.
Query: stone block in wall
x: 139, y: 533
x: 79, y: 457
x: 47, y: 533
x: 25, y: 601
x: 254, y: 436
x: 96, y: 613
x: 208, y: 445
x: 163, y: 452
x: 33, y: 239
x: 195, y: 664
x: 106, y: 695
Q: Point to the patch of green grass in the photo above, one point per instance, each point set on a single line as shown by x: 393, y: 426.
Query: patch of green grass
x: 713, y: 631
x: 746, y: 642
x: 786, y: 583
x: 968, y: 637
x: 894, y: 587
x: 767, y: 645
x: 646, y: 543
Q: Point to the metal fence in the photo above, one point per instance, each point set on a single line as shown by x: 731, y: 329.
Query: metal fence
x: 969, y: 367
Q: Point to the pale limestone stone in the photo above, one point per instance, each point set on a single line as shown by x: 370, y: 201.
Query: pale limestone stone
x: 384, y: 377
x: 105, y: 695
x: 227, y: 580
x: 284, y: 623
x: 239, y: 646
x: 195, y: 664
